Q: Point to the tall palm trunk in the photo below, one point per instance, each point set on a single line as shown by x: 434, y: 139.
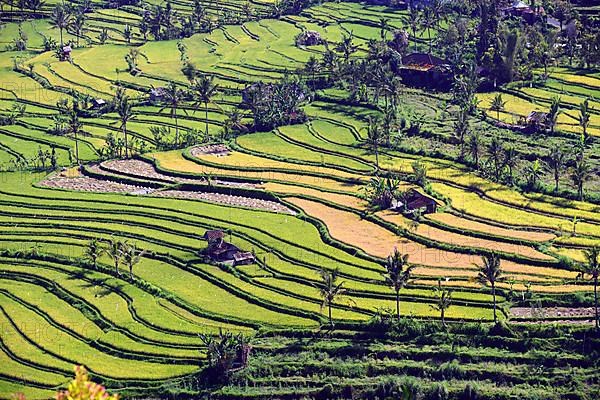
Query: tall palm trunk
x: 76, y: 147
x: 596, y: 303
x: 176, y: 129
x: 494, y: 301
x: 125, y: 137
x: 330, y: 317
x: 206, y: 116
x: 398, y: 304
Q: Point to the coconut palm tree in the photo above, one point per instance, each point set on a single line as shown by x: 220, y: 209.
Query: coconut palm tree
x: 77, y: 25
x: 126, y: 114
x: 584, y: 116
x: 384, y: 25
x: 374, y: 136
x: 94, y: 251
x: 497, y: 104
x: 592, y: 268
x: 580, y: 173
x: 496, y: 151
x: 330, y: 290
x: 312, y: 68
x: 60, y: 18
x: 398, y: 274
x: 131, y: 256
x: 475, y: 147
x: 553, y: 112
x: 490, y: 272
x: 173, y: 99
x: 347, y: 46
x: 510, y: 161
x: 556, y: 161
x: 533, y: 172
x: 115, y: 251
x: 414, y: 21
x: 443, y: 301
x: 74, y: 126
x: 204, y: 89
x: 461, y: 129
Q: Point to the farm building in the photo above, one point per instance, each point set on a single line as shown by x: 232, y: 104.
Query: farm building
x: 416, y: 201
x: 65, y: 53
x: 97, y: 104
x: 158, y: 94
x: 537, y: 121
x: 529, y: 14
x: 309, y: 38
x: 219, y: 250
x: 425, y: 70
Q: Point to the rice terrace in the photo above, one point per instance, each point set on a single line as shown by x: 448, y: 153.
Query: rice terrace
x: 299, y: 199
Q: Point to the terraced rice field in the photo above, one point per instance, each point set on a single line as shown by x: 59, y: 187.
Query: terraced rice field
x: 292, y: 196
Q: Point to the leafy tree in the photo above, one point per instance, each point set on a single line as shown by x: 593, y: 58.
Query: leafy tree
x: 330, y: 289
x: 592, y: 268
x: 131, y: 58
x: 497, y: 104
x: 94, y: 251
x: 380, y: 192
x: 82, y: 388
x: 443, y: 301
x: 204, y: 90
x: 398, y: 274
x: 224, y: 351
x: 420, y: 173
x: 490, y: 272
x: 60, y: 18
x: 312, y: 67
x: 556, y: 162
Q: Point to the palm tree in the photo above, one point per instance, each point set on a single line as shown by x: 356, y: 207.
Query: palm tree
x: 592, y: 268
x: 75, y: 126
x: 443, y: 301
x: 115, y: 251
x: 172, y: 100
x: 204, y: 89
x: 532, y: 172
x: 580, y: 173
x: 495, y: 152
x: 557, y: 159
x: 374, y: 136
x: 414, y: 20
x: 312, y: 68
x: 60, y: 18
x: 398, y: 274
x: 346, y: 46
x: 461, y: 129
x: 384, y: 25
x: 131, y: 256
x: 126, y: 114
x: 489, y: 274
x: 510, y: 161
x: 77, y: 25
x: 475, y: 147
x: 330, y: 289
x: 94, y: 251
x: 497, y: 104
x: 553, y: 112
x: 584, y: 116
